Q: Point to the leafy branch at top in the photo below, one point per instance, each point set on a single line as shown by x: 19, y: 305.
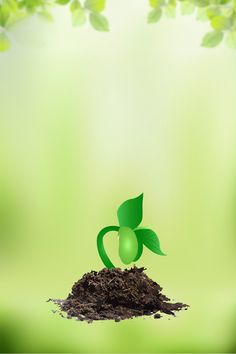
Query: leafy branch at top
x: 220, y: 14
x: 132, y: 237
x: 13, y: 11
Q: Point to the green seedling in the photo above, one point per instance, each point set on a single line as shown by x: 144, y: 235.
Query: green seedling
x: 132, y: 238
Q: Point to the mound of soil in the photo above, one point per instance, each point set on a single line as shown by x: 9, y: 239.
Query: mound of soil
x: 115, y: 294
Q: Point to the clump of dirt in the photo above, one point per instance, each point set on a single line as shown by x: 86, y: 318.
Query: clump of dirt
x: 115, y: 294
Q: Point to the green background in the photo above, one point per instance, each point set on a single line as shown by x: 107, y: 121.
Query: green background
x: 88, y: 120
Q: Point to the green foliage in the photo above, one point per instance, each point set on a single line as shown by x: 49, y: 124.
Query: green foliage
x: 13, y: 11
x: 4, y: 15
x: 95, y: 5
x: 153, y: 3
x: 4, y: 43
x: 154, y: 15
x: 32, y: 6
x: 212, y: 39
x: 201, y: 3
x: 220, y: 23
x: 149, y: 239
x: 130, y: 213
x: 140, y: 250
x: 131, y: 237
x: 220, y: 14
x: 62, y: 2
x: 99, y: 22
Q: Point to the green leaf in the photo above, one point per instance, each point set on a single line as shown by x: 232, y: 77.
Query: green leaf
x: 130, y: 213
x: 172, y: 3
x: 128, y: 245
x: 99, y: 22
x: 212, y: 39
x: 212, y: 12
x: 95, y: 5
x: 154, y: 15
x: 62, y: 2
x: 5, y: 44
x: 12, y: 4
x: 220, y: 23
x: 156, y: 3
x: 16, y: 18
x: 153, y: 3
x: 186, y: 8
x: 4, y: 15
x: 140, y: 251
x: 223, y: 2
x: 150, y: 239
x: 75, y: 5
x: 231, y: 39
x: 78, y: 17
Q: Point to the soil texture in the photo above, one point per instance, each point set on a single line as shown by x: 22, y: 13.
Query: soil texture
x: 115, y: 294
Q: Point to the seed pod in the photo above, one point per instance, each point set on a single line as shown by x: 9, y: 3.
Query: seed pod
x: 128, y: 245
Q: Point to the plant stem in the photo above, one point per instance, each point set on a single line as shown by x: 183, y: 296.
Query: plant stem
x: 100, y: 245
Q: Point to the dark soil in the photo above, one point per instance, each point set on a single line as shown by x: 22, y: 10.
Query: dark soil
x: 115, y: 294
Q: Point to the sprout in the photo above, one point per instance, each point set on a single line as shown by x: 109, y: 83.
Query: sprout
x: 132, y: 238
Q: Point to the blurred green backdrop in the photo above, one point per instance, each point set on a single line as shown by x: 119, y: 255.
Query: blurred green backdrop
x: 89, y: 120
